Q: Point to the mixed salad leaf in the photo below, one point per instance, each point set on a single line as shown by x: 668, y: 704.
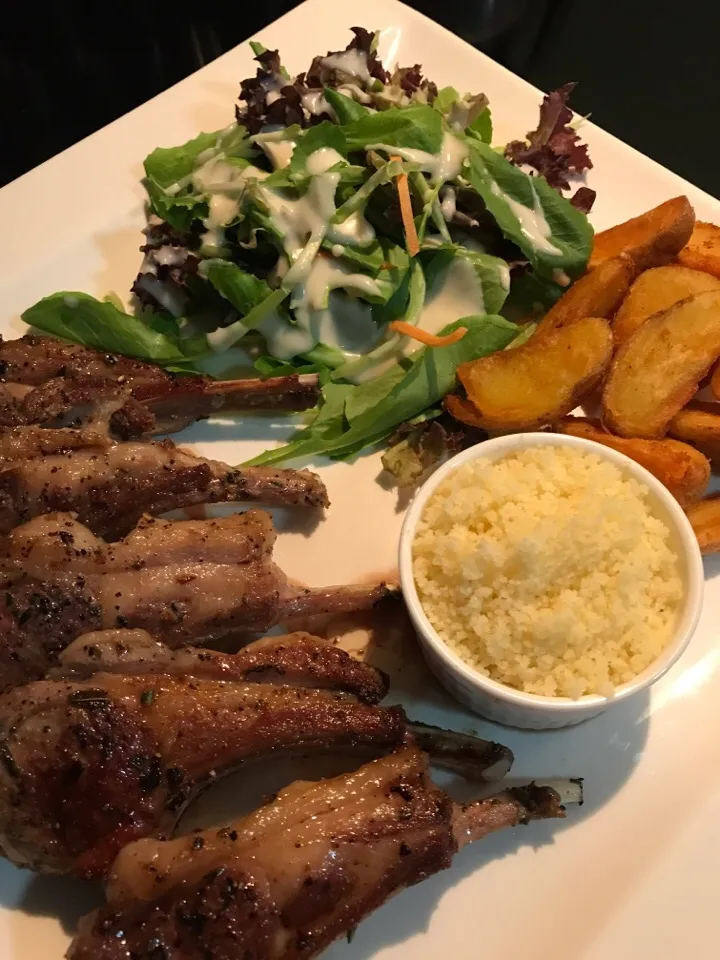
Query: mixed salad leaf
x: 354, y: 222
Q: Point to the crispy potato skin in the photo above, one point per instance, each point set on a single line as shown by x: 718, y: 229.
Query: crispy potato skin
x: 656, y: 372
x: 715, y: 382
x: 702, y: 251
x: 655, y: 291
x: 699, y: 424
x: 678, y: 466
x: 462, y: 409
x: 705, y: 519
x: 650, y: 240
x: 596, y: 294
x: 540, y: 381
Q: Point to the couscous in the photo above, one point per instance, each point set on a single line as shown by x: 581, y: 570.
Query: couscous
x: 548, y: 570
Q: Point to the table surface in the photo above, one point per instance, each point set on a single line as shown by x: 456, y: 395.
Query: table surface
x: 646, y: 71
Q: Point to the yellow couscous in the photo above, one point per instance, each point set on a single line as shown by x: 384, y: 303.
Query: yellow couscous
x: 549, y: 571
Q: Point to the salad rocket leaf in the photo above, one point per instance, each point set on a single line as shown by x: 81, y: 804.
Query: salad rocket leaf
x: 346, y: 109
x: 243, y: 290
x: 415, y: 127
x: 99, y: 324
x: 492, y: 273
x: 551, y: 233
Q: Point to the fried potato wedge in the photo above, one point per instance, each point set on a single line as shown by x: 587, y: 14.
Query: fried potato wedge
x: 650, y: 240
x: 596, y: 294
x: 540, y: 381
x: 656, y: 372
x: 656, y: 290
x: 699, y: 424
x: 702, y: 251
x: 678, y: 466
x: 705, y: 519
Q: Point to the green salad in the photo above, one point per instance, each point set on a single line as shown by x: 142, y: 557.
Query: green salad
x: 350, y: 222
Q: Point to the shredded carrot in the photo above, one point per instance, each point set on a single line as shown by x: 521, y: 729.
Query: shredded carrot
x: 429, y: 339
x: 406, y: 211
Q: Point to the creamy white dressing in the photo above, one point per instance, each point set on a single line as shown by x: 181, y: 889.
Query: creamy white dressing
x: 225, y: 183
x: 304, y: 222
x: 532, y: 220
x: 354, y: 92
x: 279, y: 152
x: 351, y: 62
x: 458, y: 293
x: 168, y: 299
x: 329, y: 274
x: 169, y: 256
x: 340, y: 322
x: 346, y: 324
x: 316, y: 104
x: 504, y: 276
x: 442, y: 166
x: 448, y: 203
x: 272, y: 97
x: 308, y: 217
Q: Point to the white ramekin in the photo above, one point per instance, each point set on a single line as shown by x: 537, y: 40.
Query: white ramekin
x: 504, y: 704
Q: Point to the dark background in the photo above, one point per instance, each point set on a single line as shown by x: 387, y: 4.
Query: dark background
x: 648, y: 70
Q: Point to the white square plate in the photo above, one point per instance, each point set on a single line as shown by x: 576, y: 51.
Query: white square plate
x: 631, y: 875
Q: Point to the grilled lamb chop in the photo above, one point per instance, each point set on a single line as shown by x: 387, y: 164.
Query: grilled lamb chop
x: 86, y: 766
x: 45, y: 378
x: 288, y: 880
x: 114, y: 749
x: 110, y: 489
x: 296, y: 658
x: 188, y: 582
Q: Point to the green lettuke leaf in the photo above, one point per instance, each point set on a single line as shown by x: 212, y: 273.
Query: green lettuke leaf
x: 168, y: 165
x: 243, y: 290
x: 346, y: 109
x: 416, y: 127
x: 482, y: 128
x: 325, y: 134
x: 82, y: 319
x: 502, y: 186
x: 492, y: 273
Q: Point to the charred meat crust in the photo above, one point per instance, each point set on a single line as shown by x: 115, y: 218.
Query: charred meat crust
x: 186, y: 582
x: 310, y: 881
x: 66, y: 376
x: 88, y: 766
x: 110, y: 490
x: 297, y: 659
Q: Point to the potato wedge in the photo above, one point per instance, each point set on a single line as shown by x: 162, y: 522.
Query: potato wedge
x: 650, y: 240
x: 540, y: 381
x: 699, y: 424
x: 702, y: 251
x: 597, y: 294
x: 658, y: 369
x: 678, y: 466
x: 705, y: 519
x: 656, y: 290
